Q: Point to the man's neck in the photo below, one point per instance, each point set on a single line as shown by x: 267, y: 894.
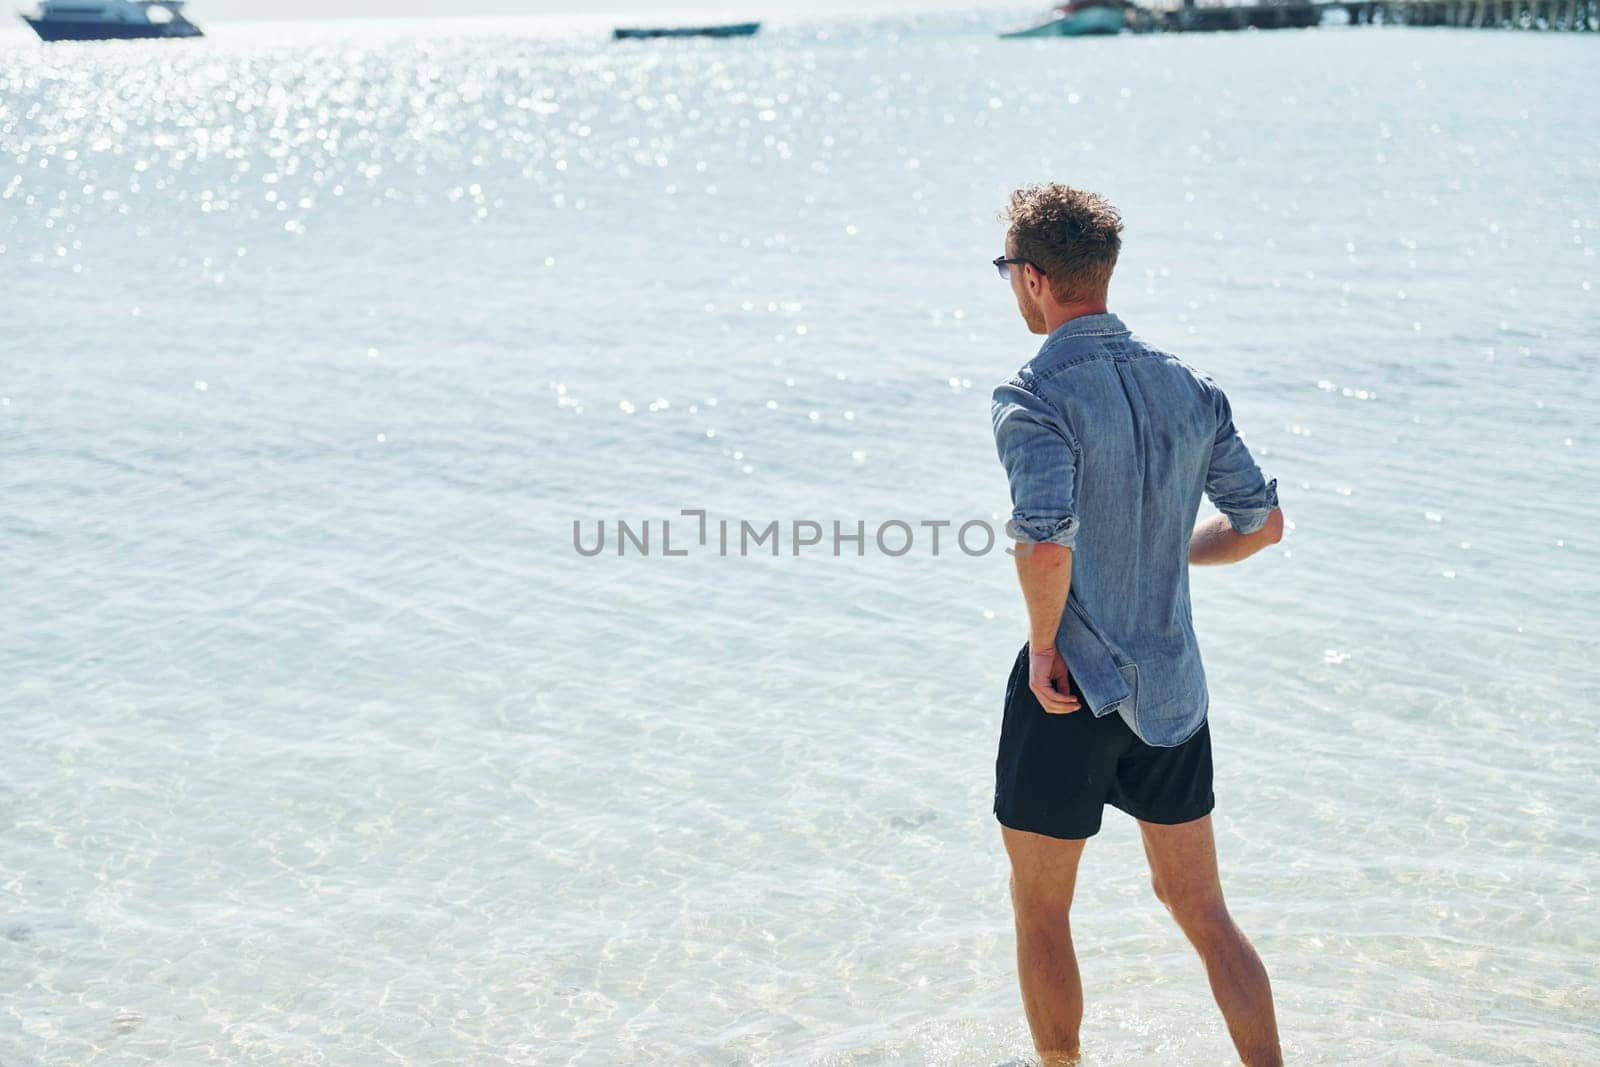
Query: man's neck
x: 1059, y: 316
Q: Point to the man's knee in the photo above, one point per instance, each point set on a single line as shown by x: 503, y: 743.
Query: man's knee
x: 1203, y: 916
x: 1040, y: 905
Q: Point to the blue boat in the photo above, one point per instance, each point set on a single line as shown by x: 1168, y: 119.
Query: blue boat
x: 732, y: 29
x: 1080, y: 18
x: 110, y: 20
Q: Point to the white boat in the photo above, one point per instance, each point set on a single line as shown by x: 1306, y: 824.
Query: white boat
x: 1080, y: 18
x: 110, y: 20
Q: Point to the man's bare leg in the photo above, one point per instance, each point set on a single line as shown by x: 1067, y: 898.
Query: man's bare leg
x: 1044, y: 871
x: 1183, y: 870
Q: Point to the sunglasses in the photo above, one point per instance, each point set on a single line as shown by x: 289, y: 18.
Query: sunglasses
x: 1002, y: 264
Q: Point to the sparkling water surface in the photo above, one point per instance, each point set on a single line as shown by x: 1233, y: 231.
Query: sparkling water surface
x: 321, y: 744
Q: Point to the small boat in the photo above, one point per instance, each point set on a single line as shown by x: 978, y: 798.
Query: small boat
x: 1079, y: 18
x: 733, y: 29
x: 110, y: 20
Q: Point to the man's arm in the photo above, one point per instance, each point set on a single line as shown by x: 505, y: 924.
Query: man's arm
x: 1251, y: 519
x: 1045, y: 573
x: 1216, y: 541
x: 1038, y: 454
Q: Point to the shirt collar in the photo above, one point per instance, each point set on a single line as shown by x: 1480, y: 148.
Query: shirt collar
x: 1086, y: 326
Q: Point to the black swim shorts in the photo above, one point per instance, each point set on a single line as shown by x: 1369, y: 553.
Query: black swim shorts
x: 1055, y: 773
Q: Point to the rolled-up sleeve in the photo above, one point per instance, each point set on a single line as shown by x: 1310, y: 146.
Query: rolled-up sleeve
x: 1040, y: 459
x: 1234, y: 484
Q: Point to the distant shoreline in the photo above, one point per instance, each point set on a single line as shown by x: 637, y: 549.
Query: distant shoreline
x: 259, y: 11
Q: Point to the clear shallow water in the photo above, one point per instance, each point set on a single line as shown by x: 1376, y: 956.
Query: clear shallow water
x: 321, y: 744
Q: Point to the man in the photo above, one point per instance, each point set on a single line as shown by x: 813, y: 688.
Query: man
x: 1108, y: 444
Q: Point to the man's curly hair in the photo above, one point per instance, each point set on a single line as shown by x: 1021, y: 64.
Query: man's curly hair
x: 1071, y: 235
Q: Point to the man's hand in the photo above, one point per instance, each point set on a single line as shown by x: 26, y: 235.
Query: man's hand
x: 1047, y: 677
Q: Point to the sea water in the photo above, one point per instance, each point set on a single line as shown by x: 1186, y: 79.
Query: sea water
x: 321, y: 743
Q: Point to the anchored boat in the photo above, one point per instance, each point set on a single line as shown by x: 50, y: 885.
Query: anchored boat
x: 733, y: 29
x: 110, y: 20
x: 1079, y: 18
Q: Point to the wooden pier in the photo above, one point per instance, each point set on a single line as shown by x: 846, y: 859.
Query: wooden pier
x: 1549, y: 15
x: 1560, y: 15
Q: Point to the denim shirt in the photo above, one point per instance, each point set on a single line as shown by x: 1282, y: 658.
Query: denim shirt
x: 1108, y: 444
